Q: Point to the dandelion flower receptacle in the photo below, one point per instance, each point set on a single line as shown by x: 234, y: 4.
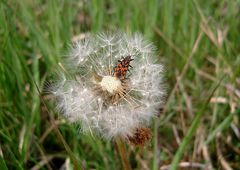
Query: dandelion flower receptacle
x: 115, y: 87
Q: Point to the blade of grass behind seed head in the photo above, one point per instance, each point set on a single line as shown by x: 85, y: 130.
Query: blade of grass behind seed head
x: 59, y: 135
x: 192, y: 130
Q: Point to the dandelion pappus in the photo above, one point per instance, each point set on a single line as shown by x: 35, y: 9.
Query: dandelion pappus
x: 122, y: 68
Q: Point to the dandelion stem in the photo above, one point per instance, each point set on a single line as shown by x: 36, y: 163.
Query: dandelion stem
x: 123, y: 153
x: 155, y: 145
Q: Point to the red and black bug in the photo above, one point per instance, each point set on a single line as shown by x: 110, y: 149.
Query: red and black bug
x: 122, y: 67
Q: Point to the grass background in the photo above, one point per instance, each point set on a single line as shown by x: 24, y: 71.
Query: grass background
x: 198, y: 42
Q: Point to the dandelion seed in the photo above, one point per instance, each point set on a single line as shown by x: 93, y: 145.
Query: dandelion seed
x: 115, y: 88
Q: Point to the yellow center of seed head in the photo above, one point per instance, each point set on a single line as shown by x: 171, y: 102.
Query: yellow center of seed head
x: 111, y: 84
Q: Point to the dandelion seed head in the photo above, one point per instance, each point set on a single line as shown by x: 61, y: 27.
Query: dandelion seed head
x: 97, y: 98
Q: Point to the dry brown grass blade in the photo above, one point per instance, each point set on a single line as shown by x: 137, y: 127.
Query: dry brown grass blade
x: 169, y: 42
x: 203, y: 148
x: 220, y: 156
x: 229, y: 87
x: 21, y: 138
x: 43, y: 154
x: 175, y: 132
x: 189, y: 165
x: 184, y: 70
x: 49, y: 130
x: 43, y: 162
x: 218, y: 39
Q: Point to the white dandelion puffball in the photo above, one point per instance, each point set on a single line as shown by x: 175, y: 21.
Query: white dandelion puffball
x: 110, y: 84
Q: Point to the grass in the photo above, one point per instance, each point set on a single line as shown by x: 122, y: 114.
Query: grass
x: 198, y: 42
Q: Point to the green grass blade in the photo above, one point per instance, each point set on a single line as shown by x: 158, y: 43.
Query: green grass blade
x: 191, y: 131
x: 224, y: 125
